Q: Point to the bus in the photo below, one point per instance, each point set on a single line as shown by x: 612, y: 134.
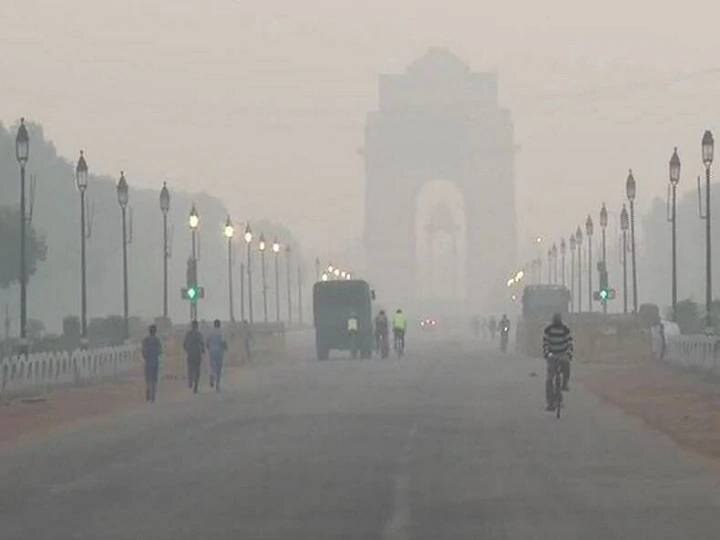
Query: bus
x: 539, y: 304
x: 333, y: 303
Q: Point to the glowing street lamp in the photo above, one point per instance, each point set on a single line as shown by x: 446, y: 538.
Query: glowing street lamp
x: 248, y: 241
x: 193, y: 223
x: 229, y: 232
x: 261, y: 247
x: 276, y: 253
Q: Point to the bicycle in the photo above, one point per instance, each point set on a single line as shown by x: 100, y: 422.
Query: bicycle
x: 382, y: 345
x: 557, y: 381
x: 399, y: 344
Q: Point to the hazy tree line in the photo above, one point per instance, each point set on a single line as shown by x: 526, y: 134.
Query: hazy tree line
x: 655, y: 263
x: 55, y: 242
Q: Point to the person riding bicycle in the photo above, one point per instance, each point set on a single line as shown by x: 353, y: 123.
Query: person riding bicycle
x: 381, y: 333
x: 399, y: 328
x: 557, y: 348
x: 504, y: 332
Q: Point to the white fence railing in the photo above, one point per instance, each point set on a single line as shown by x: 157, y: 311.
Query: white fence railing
x: 696, y: 352
x: 39, y: 370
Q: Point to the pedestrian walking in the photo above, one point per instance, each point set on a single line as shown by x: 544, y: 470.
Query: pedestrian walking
x: 216, y: 346
x: 194, y: 346
x: 151, y: 351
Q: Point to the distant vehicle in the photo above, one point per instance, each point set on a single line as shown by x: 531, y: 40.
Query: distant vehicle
x: 428, y: 324
x: 539, y: 303
x: 333, y: 302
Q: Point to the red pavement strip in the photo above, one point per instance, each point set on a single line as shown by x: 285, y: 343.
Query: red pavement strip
x: 22, y: 419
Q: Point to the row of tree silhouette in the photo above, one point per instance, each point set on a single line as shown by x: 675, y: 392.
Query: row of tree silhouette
x: 54, y: 245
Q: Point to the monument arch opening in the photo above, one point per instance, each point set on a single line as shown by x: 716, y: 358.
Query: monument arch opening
x: 440, y: 120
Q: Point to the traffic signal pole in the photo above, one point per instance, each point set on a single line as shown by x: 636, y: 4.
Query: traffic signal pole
x: 193, y: 304
x: 604, y: 282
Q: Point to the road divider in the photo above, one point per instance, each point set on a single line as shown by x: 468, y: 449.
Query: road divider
x: 37, y: 371
x: 693, y: 352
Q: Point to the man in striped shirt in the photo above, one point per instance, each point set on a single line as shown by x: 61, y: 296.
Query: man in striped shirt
x: 557, y: 347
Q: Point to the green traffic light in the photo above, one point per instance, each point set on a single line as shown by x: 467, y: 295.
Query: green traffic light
x: 604, y: 294
x: 192, y: 293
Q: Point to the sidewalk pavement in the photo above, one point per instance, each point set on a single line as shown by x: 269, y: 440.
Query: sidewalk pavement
x: 65, y: 407
x: 683, y: 405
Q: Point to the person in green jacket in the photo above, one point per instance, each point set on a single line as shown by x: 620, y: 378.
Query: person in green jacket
x: 399, y: 329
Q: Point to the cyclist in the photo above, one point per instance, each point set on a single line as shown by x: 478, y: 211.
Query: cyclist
x: 381, y: 333
x: 504, y: 332
x: 399, y: 328
x: 557, y: 347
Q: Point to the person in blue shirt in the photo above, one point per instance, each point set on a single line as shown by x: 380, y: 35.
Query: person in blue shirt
x: 216, y: 346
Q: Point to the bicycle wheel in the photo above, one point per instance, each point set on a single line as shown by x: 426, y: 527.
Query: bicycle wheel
x: 558, y: 394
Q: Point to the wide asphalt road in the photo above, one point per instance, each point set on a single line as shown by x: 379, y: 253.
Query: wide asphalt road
x: 449, y: 443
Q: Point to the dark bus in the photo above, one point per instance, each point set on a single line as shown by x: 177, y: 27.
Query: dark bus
x: 539, y: 304
x: 333, y: 302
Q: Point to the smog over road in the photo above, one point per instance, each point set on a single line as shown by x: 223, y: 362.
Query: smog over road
x: 377, y: 270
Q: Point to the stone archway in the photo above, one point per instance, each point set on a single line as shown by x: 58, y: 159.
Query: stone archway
x: 439, y: 119
x: 440, y: 243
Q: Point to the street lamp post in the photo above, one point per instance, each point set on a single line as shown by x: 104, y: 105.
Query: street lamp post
x: 22, y: 153
x: 248, y: 242
x: 289, y: 283
x: 563, y: 250
x: 579, y: 242
x: 572, y: 271
x: 549, y: 272
x: 229, y: 233
x: 624, y: 226
x: 165, y: 208
x: 589, y: 231
x: 276, y: 255
x: 555, y: 263
x: 707, y: 156
x: 603, y: 227
x: 81, y: 180
x: 122, y: 195
x: 631, y: 191
x: 193, y: 221
x: 261, y: 247
x: 242, y: 291
x: 300, y: 293
x: 674, y: 169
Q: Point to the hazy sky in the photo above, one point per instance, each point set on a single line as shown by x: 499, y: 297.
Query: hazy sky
x: 264, y: 103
